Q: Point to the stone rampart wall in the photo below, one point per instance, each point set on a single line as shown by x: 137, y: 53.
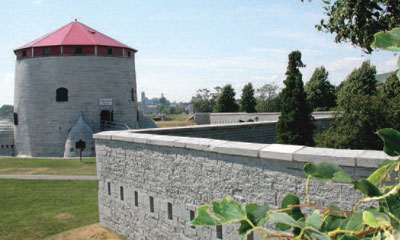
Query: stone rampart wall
x: 6, y: 140
x: 227, y: 118
x: 151, y: 184
x: 255, y: 132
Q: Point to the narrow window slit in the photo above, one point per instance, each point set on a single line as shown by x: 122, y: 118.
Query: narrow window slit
x: 109, y: 188
x: 121, y: 191
x: 192, y: 214
x: 136, y: 199
x: 219, y: 231
x: 151, y: 204
x: 170, y: 211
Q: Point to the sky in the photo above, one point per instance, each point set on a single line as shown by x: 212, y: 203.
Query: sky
x: 187, y: 45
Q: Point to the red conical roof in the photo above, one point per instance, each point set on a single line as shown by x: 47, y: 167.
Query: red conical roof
x: 75, y: 33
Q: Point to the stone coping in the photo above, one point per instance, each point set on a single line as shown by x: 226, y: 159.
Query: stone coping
x: 291, y: 153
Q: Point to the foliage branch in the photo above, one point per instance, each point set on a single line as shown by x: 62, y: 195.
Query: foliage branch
x: 379, y: 221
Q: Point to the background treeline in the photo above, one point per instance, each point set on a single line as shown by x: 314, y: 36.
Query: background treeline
x: 361, y: 107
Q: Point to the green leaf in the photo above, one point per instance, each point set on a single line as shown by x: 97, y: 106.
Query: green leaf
x: 348, y: 237
x: 355, y: 221
x: 284, y: 218
x: 333, y: 220
x: 341, y: 177
x: 326, y: 171
x: 203, y: 218
x: 313, y: 233
x: 387, y: 40
x: 376, y: 219
x: 295, y: 212
x: 224, y: 212
x: 367, y: 188
x: 256, y: 214
x: 381, y: 173
x: 391, y: 138
x: 315, y: 220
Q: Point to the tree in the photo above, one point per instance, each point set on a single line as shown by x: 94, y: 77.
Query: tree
x: 391, y: 88
x: 205, y: 100
x: 6, y: 112
x: 295, y: 125
x: 361, y: 81
x: 356, y: 125
x: 248, y: 101
x: 320, y: 92
x: 358, y: 21
x: 226, y: 101
x: 268, y: 99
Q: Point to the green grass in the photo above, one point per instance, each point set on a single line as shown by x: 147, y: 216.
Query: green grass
x: 34, y: 209
x: 48, y: 166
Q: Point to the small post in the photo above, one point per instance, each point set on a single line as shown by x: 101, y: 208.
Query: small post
x: 80, y: 145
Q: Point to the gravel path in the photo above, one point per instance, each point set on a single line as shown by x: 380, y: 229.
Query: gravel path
x: 48, y: 177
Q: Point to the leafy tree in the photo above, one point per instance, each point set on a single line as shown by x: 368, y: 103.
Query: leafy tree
x: 248, y: 101
x: 6, y: 112
x: 205, y: 100
x: 320, y: 92
x: 295, y: 125
x: 171, y: 110
x: 270, y: 105
x: 226, y: 101
x: 361, y: 81
x: 355, y: 127
x: 357, y: 21
x: 391, y: 88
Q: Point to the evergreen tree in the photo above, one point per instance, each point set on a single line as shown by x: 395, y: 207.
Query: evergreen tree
x: 391, y: 88
x: 226, y: 101
x: 320, y: 92
x: 361, y: 81
x: 248, y: 101
x: 295, y: 125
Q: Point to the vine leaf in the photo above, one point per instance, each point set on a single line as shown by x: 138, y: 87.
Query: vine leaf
x: 385, y: 169
x: 294, y: 212
x: 376, y: 219
x: 355, y: 222
x: 387, y: 40
x: 333, y: 220
x: 367, y: 188
x: 280, y: 217
x: 256, y: 214
x: 315, y: 234
x: 224, y: 212
x: 315, y: 220
x: 325, y: 172
x: 391, y: 138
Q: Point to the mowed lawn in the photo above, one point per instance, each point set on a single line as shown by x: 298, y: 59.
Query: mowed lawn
x: 179, y: 121
x: 33, y: 166
x: 35, y: 209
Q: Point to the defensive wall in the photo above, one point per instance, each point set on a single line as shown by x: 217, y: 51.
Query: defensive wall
x: 224, y: 118
x: 6, y: 139
x: 151, y: 181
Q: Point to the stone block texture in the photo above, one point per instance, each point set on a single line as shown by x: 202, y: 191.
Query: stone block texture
x: 178, y: 178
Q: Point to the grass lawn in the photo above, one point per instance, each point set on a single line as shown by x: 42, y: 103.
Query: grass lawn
x: 48, y: 166
x: 179, y: 121
x: 35, y: 209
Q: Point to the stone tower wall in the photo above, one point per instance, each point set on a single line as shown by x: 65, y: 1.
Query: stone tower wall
x: 44, y: 123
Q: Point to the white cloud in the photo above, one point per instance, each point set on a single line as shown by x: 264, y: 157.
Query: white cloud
x: 37, y: 2
x: 7, y: 89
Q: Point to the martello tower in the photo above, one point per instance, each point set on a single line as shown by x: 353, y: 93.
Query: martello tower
x: 69, y: 84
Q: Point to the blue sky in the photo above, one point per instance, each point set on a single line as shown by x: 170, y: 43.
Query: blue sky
x: 185, y: 45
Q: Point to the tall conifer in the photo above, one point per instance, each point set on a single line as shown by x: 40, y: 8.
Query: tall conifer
x: 226, y: 101
x: 248, y: 101
x: 295, y: 125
